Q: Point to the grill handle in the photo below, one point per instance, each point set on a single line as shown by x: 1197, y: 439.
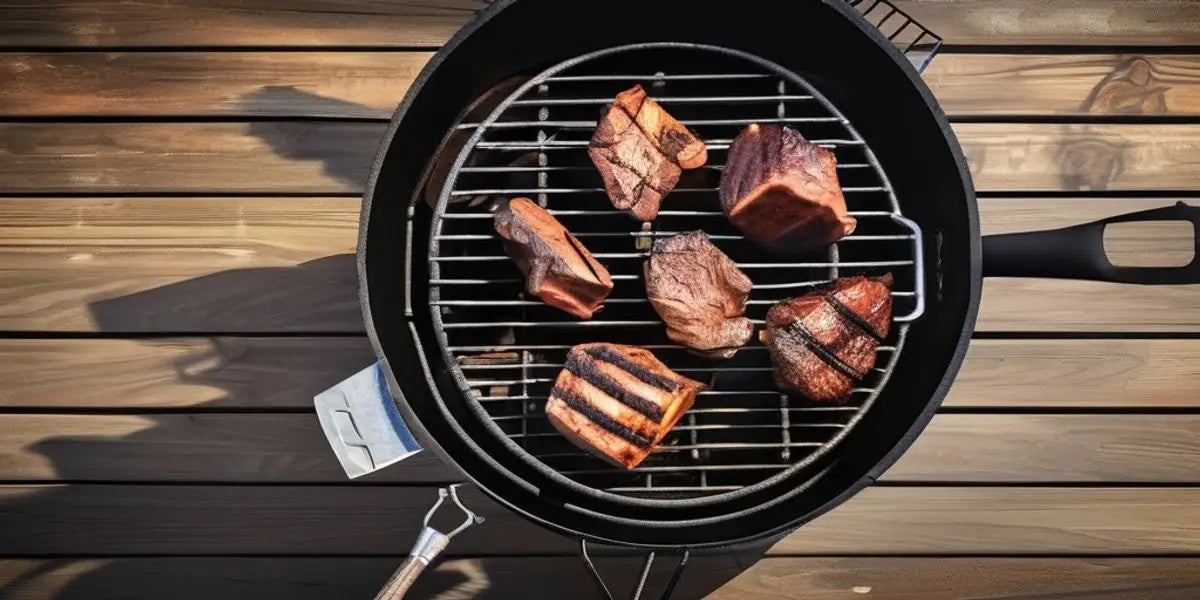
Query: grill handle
x: 1077, y: 252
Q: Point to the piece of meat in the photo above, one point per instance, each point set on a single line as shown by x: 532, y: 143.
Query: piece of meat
x: 641, y: 151
x: 618, y: 402
x: 700, y: 294
x: 782, y: 191
x: 823, y: 343
x: 557, y: 268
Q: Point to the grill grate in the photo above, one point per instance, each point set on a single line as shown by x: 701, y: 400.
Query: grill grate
x: 504, y: 350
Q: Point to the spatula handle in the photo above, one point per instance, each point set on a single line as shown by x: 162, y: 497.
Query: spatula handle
x: 397, y: 586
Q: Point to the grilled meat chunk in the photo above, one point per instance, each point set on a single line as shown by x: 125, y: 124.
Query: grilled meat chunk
x: 823, y: 343
x: 557, y: 268
x: 782, y: 191
x: 641, y: 151
x: 618, y: 402
x: 700, y: 294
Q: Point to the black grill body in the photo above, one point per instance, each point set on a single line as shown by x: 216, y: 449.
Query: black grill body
x: 409, y: 259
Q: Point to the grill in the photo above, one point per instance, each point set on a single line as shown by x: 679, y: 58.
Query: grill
x: 505, y: 350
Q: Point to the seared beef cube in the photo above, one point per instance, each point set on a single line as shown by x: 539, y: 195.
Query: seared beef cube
x: 557, y: 268
x: 700, y: 293
x: 640, y: 151
x: 782, y: 191
x: 822, y: 344
x: 618, y: 402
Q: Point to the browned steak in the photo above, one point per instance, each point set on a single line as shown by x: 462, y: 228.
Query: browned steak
x: 782, y: 191
x: 700, y: 294
x: 618, y: 402
x: 640, y: 151
x: 823, y: 343
x: 557, y: 268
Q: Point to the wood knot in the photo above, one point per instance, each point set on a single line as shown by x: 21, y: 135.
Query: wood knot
x: 1132, y: 87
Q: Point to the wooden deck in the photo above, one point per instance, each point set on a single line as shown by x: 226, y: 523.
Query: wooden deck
x: 179, y: 192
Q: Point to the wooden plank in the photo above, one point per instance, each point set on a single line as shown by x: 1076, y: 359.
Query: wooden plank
x: 84, y: 23
x: 303, y: 578
x: 212, y: 373
x: 258, y: 373
x: 275, y: 84
x: 234, y: 264
x: 1066, y: 84
x: 269, y: 156
x: 1079, y: 373
x: 427, y: 23
x: 986, y: 520
x: 500, y: 578
x: 334, y: 157
x: 957, y: 578
x: 370, y: 84
x: 298, y: 520
x: 1082, y: 22
x: 273, y: 448
x: 286, y: 264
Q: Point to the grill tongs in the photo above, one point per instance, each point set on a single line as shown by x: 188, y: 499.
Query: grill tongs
x: 430, y: 543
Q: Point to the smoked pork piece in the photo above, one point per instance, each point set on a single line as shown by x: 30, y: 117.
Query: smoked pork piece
x: 640, y: 151
x: 822, y: 344
x: 618, y: 402
x: 699, y: 293
x: 782, y: 191
x: 557, y: 268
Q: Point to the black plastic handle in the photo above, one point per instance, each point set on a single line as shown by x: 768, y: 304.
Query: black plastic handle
x: 1078, y: 252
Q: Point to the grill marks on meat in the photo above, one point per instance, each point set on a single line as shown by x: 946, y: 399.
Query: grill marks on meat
x: 641, y: 151
x: 782, y: 191
x: 700, y: 294
x: 822, y: 344
x: 618, y: 402
x: 557, y: 267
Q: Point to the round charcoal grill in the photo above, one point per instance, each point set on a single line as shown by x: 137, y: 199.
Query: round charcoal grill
x: 505, y: 349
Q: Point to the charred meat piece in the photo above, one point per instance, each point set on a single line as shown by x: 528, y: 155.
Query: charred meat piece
x: 618, y: 402
x: 557, y: 268
x: 640, y: 151
x: 824, y: 343
x: 700, y: 294
x: 782, y: 191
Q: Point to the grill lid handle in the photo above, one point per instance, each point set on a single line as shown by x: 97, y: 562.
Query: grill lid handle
x: 1077, y: 252
x: 363, y: 425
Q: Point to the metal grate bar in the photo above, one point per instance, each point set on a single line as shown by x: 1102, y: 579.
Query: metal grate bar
x: 666, y: 234
x: 688, y: 122
x: 658, y: 77
x: 600, y: 190
x: 742, y: 265
x: 661, y: 213
x: 521, y: 169
x: 666, y: 100
x: 716, y: 144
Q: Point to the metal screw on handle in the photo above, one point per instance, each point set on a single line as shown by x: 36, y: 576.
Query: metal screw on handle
x: 430, y: 543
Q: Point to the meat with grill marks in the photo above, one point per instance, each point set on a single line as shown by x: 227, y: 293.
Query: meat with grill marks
x: 557, y: 268
x: 822, y: 344
x: 618, y: 402
x: 641, y: 151
x: 700, y: 294
x: 782, y: 191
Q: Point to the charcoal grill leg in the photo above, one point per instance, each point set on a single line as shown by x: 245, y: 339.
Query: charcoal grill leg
x: 641, y: 583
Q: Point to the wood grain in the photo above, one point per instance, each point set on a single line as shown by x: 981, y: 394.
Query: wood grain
x: 263, y: 373
x: 272, y: 265
x: 501, y: 578
x: 298, y: 520
x: 1055, y: 22
x: 1066, y: 84
x: 275, y: 84
x: 180, y: 264
x: 427, y: 23
x: 369, y: 84
x: 334, y: 157
x: 247, y: 448
x: 302, y: 578
x: 1046, y: 374
x: 798, y: 578
x: 210, y: 373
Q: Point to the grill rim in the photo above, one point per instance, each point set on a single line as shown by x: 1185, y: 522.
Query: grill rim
x: 480, y: 413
